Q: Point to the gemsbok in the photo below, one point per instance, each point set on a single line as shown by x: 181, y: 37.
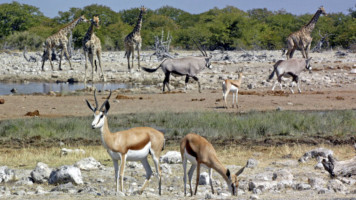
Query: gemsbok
x: 199, y: 152
x: 290, y: 68
x: 233, y: 86
x: 129, y: 145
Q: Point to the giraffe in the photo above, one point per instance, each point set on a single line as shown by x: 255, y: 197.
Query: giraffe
x: 301, y: 39
x: 134, y: 39
x: 60, y: 40
x: 92, y: 46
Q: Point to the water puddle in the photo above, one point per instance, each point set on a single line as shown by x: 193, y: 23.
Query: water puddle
x: 40, y: 87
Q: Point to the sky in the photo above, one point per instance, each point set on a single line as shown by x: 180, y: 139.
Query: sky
x: 50, y: 8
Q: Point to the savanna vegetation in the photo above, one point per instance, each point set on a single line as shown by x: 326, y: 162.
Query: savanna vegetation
x: 218, y: 127
x: 228, y: 28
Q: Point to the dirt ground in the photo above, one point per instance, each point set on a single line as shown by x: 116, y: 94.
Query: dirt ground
x: 17, y: 106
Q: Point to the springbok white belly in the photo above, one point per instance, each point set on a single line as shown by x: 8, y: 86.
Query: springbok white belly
x: 192, y: 159
x: 233, y: 88
x: 132, y: 155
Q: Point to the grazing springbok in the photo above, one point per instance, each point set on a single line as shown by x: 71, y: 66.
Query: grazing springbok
x: 233, y: 86
x: 129, y: 145
x: 290, y: 68
x: 199, y: 152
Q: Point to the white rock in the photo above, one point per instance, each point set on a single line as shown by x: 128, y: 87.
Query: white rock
x: 88, y: 164
x: 65, y: 151
x: 41, y: 173
x: 204, y: 179
x: 6, y: 174
x: 171, y: 157
x: 66, y: 174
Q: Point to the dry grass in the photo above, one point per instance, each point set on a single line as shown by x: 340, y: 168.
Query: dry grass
x: 231, y: 154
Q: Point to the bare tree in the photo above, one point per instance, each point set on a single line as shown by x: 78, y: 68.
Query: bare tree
x: 162, y: 47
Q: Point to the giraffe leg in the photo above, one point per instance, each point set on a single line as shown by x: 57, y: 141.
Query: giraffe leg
x: 132, y: 57
x: 44, y: 57
x: 60, y: 60
x: 86, y: 67
x: 91, y: 60
x: 128, y: 54
x: 66, y: 54
x: 138, y: 57
x: 50, y: 57
x: 98, y: 55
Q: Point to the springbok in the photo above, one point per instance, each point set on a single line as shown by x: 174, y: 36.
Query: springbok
x: 199, y: 151
x: 233, y: 86
x: 290, y: 68
x: 129, y: 145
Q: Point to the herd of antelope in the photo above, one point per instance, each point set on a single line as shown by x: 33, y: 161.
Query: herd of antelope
x: 137, y: 143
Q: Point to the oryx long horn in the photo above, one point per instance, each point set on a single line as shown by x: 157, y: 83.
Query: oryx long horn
x: 107, y: 99
x: 96, y: 101
x: 200, y: 49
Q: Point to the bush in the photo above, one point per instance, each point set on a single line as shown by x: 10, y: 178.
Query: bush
x: 20, y: 40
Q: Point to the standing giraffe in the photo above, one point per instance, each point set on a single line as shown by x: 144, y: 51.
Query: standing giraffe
x: 92, y: 46
x: 301, y: 39
x: 60, y: 40
x: 134, y: 39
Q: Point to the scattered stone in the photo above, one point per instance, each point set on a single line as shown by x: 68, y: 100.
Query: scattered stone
x: 336, y: 185
x: 40, y: 190
x: 2, y: 101
x: 302, y: 186
x: 13, y: 90
x: 204, y: 178
x: 66, y: 174
x: 6, y: 174
x: 88, y: 164
x: 66, y: 188
x: 171, y: 157
x: 166, y: 169
x: 24, y: 181
x: 65, y: 151
x: 34, y: 113
x: 316, y: 182
x: 353, y: 71
x: 318, y: 153
x: 51, y: 93
x: 41, y: 173
x: 254, y: 197
x: 282, y: 174
x: 251, y: 163
x: 134, y: 165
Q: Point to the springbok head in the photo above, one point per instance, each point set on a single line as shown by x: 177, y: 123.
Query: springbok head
x: 233, y: 182
x: 99, y: 114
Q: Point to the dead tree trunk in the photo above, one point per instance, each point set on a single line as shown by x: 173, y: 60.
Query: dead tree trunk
x: 346, y: 168
x: 162, y: 47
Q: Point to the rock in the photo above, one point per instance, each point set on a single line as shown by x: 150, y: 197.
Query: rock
x: 51, y: 93
x: 72, y: 80
x: 316, y: 153
x: 353, y: 71
x: 20, y: 193
x: 41, y: 173
x: 2, y: 101
x: 24, y: 181
x: 66, y: 188
x: 204, y: 179
x: 302, y: 186
x: 251, y: 163
x: 65, y: 151
x: 6, y: 174
x: 316, y: 182
x: 40, y: 190
x: 88, y: 164
x: 171, y: 157
x: 13, y: 90
x: 34, y: 113
x: 336, y: 185
x: 134, y: 165
x: 66, y: 174
x: 282, y: 174
x: 254, y: 197
x: 166, y: 169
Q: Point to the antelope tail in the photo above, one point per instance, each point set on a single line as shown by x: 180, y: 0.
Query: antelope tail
x: 274, y: 69
x: 150, y: 70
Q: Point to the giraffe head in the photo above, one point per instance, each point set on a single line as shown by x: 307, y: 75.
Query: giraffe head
x: 95, y: 21
x: 322, y: 10
x: 83, y: 19
x: 143, y: 9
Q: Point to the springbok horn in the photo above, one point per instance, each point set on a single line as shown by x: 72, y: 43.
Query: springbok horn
x: 107, y: 99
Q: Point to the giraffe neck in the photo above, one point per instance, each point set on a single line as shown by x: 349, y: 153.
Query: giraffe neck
x: 310, y: 26
x: 90, y: 31
x: 66, y: 30
x: 137, y: 28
